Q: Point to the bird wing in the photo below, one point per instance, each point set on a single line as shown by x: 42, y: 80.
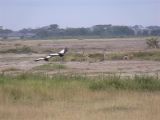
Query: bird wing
x: 49, y: 56
x: 54, y: 54
x: 43, y: 58
x: 39, y: 59
x: 62, y: 51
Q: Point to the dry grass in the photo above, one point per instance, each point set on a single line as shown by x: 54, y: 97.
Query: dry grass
x: 11, y: 69
x: 87, y: 105
x: 32, y: 97
x: 50, y: 67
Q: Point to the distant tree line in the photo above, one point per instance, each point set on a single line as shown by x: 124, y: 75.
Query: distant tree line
x: 96, y: 31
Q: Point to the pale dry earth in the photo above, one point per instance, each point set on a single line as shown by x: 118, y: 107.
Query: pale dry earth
x: 25, y: 62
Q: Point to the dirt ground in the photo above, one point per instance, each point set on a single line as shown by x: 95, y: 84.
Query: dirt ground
x: 25, y: 62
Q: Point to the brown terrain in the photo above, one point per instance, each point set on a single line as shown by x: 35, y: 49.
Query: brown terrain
x: 25, y: 62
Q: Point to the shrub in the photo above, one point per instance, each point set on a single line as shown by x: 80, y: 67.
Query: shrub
x: 152, y: 42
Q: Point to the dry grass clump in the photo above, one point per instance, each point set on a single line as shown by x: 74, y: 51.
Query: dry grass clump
x: 153, y: 42
x: 10, y: 69
x: 96, y: 56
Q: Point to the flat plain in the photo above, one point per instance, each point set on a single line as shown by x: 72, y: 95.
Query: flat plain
x: 89, y: 57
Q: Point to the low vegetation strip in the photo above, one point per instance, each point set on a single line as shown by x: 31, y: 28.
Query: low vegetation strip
x: 50, y: 66
x: 19, y: 50
x: 147, y: 83
x: 28, y: 86
x: 140, y: 55
x: 151, y: 55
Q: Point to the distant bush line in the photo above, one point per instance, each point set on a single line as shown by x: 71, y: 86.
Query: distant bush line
x: 96, y: 31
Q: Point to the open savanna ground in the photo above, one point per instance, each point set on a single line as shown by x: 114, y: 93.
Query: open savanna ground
x: 83, y: 56
x: 92, y: 82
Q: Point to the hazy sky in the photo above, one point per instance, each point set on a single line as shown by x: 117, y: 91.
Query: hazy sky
x: 17, y: 14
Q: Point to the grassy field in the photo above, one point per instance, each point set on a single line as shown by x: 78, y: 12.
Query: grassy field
x: 68, y: 97
x: 28, y: 85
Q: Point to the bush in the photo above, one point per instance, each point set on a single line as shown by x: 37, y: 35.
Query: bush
x: 152, y: 42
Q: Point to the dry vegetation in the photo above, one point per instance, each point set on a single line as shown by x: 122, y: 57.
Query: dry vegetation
x: 37, y: 96
x: 92, y: 82
x: 110, y: 105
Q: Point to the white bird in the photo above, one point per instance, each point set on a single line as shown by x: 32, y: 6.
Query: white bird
x: 61, y: 54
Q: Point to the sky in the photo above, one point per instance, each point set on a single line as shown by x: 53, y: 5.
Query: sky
x: 18, y: 14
